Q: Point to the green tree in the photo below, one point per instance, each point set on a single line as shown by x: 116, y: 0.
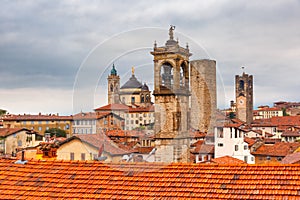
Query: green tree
x: 56, y: 131
x: 284, y: 112
x: 2, y: 112
x: 231, y: 115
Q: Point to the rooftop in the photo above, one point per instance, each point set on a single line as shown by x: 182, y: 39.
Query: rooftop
x: 95, y: 180
x: 278, y: 149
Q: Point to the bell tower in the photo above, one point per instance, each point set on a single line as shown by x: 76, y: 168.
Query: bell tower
x: 171, y: 91
x: 244, y: 97
x: 113, y: 86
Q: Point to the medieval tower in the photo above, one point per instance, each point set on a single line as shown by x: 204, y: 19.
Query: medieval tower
x: 171, y: 91
x: 113, y: 86
x: 204, y: 94
x: 244, y: 97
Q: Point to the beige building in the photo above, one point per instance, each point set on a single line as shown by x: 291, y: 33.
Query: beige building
x: 265, y: 112
x: 15, y: 139
x: 87, y: 147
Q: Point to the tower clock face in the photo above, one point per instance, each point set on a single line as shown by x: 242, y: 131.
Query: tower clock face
x: 241, y: 101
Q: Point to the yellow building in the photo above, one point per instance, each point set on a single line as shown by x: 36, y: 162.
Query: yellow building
x: 39, y: 123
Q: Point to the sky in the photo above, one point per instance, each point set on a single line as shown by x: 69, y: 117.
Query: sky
x: 55, y: 55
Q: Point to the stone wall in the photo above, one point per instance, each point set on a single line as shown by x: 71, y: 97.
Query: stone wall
x: 204, y: 95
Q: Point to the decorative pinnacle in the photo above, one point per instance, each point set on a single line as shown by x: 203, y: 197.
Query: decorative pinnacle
x: 171, y: 34
x: 155, y: 44
x: 132, y: 71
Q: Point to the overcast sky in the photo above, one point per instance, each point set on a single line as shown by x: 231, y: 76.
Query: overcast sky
x: 52, y: 51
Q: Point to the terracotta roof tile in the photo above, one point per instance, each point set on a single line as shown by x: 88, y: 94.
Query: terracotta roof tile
x: 27, y: 117
x: 291, y: 158
x: 85, y: 115
x: 249, y: 141
x: 95, y: 180
x: 8, y: 131
x: 227, y: 160
x: 111, y: 107
x: 278, y: 149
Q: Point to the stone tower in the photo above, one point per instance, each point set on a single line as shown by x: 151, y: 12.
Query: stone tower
x: 113, y: 86
x: 204, y: 94
x: 244, y: 97
x: 171, y: 91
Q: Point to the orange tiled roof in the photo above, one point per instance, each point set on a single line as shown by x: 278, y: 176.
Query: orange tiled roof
x: 285, y: 121
x: 95, y: 180
x: 291, y: 158
x: 85, y: 115
x: 8, y: 131
x: 110, y: 107
x: 249, y: 141
x: 27, y: 117
x: 290, y: 134
x: 227, y: 160
x: 268, y: 109
x: 202, y: 148
x: 278, y: 149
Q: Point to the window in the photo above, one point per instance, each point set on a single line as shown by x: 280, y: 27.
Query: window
x: 40, y: 128
x: 268, y: 158
x: 40, y: 122
x: 47, y: 128
x: 131, y: 121
x: 245, y: 147
x: 132, y: 99
x: 246, y: 159
x: 47, y: 122
x: 24, y: 122
x: 279, y: 158
x: 82, y: 156
x: 38, y: 138
x: 71, y: 156
x: 136, y: 121
x: 236, y: 147
x: 32, y: 122
x: 220, y: 132
x: 220, y: 144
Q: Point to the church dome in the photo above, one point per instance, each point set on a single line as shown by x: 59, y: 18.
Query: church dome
x: 132, y: 83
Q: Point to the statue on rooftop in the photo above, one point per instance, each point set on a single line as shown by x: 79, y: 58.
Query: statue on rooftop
x: 171, y: 34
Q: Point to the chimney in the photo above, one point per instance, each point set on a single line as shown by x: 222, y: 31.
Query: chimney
x: 23, y: 155
x: 22, y: 161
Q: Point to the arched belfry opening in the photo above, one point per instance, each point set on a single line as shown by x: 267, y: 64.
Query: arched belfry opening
x: 166, y: 73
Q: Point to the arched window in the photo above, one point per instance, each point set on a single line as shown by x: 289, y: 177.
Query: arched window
x: 111, y: 87
x: 241, y: 85
x: 142, y: 99
x: 167, y: 75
